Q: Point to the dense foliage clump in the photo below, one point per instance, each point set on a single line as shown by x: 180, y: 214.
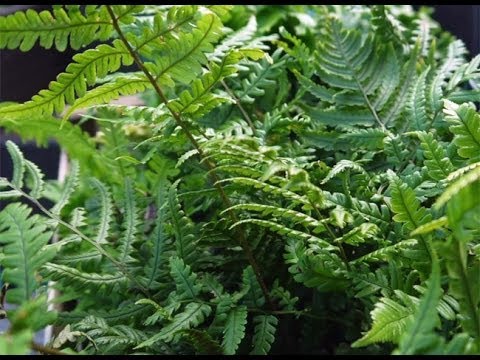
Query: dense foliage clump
x: 301, y: 179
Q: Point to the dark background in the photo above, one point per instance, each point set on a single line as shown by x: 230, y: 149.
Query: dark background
x: 22, y: 75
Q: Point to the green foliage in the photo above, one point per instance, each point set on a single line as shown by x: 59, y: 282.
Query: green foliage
x: 292, y: 170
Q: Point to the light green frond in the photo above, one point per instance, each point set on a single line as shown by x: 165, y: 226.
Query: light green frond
x: 58, y: 28
x: 18, y: 164
x: 127, y: 84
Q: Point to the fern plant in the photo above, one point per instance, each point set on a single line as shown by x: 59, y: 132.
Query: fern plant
x: 292, y: 168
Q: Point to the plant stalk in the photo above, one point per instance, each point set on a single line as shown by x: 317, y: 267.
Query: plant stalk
x: 242, y: 240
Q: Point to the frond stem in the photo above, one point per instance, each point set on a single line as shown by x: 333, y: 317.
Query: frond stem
x: 242, y: 240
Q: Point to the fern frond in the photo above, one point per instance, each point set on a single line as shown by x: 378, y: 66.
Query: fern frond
x: 58, y: 28
x: 387, y: 26
x: 182, y: 228
x: 385, y: 253
x: 254, y: 297
x: 201, y: 100
x: 460, y: 183
x: 264, y: 334
x: 193, y: 315
x: 454, y: 59
x: 267, y: 188
x: 371, y: 212
x: 80, y: 279
x: 405, y: 204
x: 261, y: 76
x: 396, y: 104
x: 23, y: 238
x: 234, y: 330
x: 416, y: 104
x: 131, y: 223
x: 68, y: 188
x: 181, y: 59
x: 342, y: 166
x: 72, y: 84
x: 294, y: 216
x: 390, y: 320
x: 36, y: 176
x: 369, y: 139
x: 18, y: 162
x: 127, y: 84
x: 283, y: 230
x: 157, y: 240
x: 73, y: 260
x: 185, y: 279
x: 114, y: 316
x: 438, y: 164
x: 419, y: 335
x: 465, y: 126
x: 106, y: 210
x: 236, y: 39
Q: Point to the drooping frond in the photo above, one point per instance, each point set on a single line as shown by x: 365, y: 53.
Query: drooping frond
x: 72, y: 84
x: 18, y: 162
